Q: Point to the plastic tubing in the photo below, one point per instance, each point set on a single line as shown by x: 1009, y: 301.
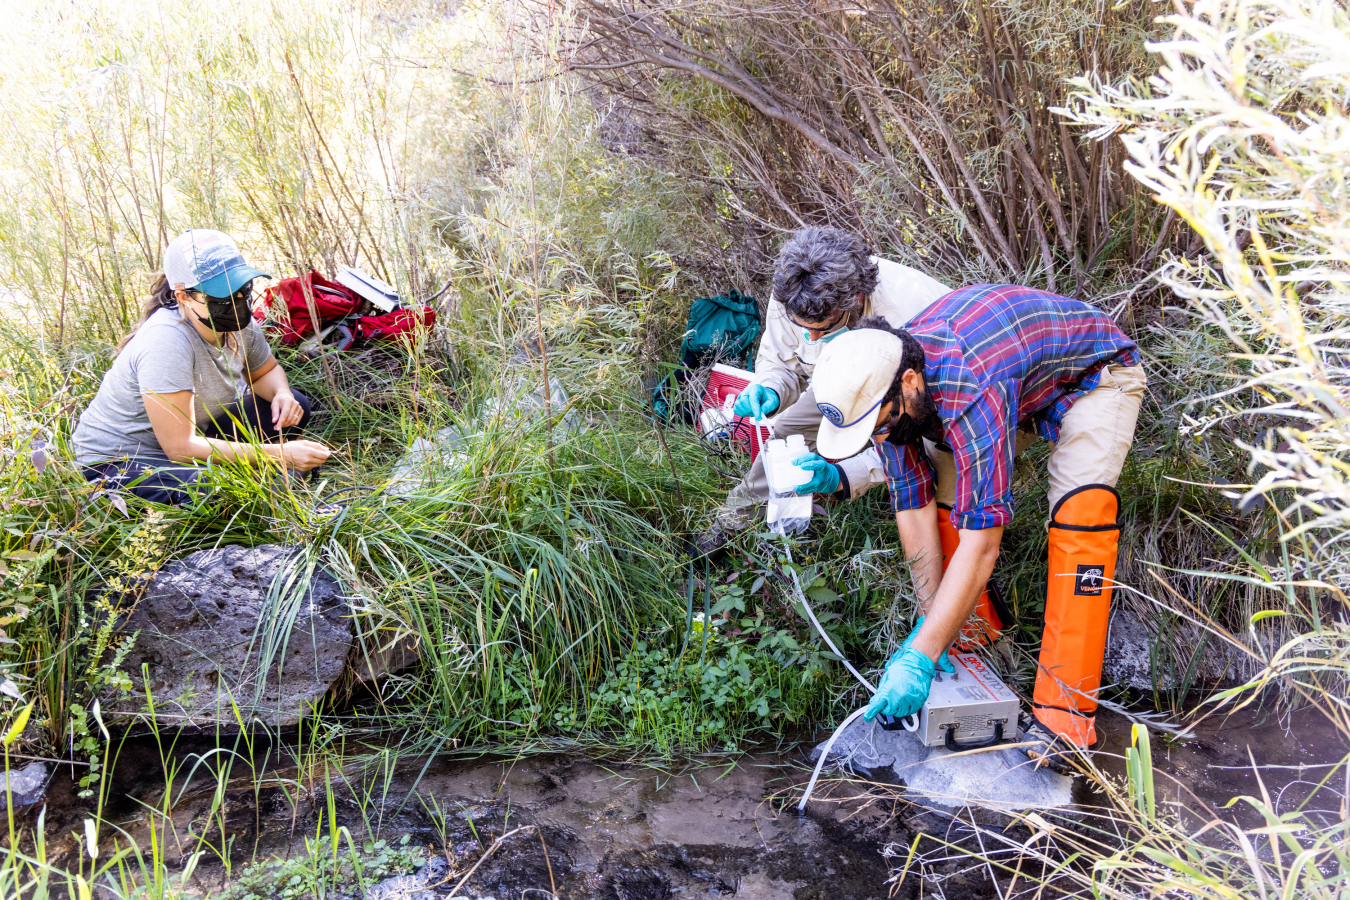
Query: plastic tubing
x: 825, y: 754
x: 811, y: 614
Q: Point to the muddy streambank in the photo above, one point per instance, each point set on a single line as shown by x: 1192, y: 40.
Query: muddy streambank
x: 724, y: 828
x: 614, y: 831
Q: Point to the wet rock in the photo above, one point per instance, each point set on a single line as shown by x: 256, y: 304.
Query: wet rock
x: 401, y: 887
x: 1148, y: 653
x: 385, y: 653
x: 1001, y: 780
x: 421, y: 885
x: 210, y: 633
x: 758, y: 886
x: 636, y: 884
x: 24, y: 786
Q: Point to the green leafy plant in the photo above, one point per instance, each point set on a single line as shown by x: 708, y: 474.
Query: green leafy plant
x: 319, y: 875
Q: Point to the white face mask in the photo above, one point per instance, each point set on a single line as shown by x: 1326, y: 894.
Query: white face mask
x: 824, y: 338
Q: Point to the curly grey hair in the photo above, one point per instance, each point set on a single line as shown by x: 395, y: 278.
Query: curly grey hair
x: 822, y: 270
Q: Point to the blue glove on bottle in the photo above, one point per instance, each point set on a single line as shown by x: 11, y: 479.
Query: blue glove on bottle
x: 756, y: 401
x: 943, y: 662
x: 824, y: 474
x: 904, y: 687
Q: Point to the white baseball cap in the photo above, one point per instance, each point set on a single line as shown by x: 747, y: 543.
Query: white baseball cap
x: 208, y: 261
x: 852, y: 377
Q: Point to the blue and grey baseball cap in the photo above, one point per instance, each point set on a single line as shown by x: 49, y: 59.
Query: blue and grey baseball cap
x: 208, y: 261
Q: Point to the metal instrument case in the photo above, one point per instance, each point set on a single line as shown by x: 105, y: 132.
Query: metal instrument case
x: 974, y: 699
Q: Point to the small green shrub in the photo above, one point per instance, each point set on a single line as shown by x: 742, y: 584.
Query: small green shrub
x: 320, y: 875
x: 713, y: 700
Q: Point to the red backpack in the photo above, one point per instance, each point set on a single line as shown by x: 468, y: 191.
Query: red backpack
x: 286, y: 310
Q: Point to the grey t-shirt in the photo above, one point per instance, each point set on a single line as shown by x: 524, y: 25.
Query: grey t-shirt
x: 165, y: 355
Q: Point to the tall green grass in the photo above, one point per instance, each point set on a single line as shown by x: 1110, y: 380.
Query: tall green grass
x: 319, y: 135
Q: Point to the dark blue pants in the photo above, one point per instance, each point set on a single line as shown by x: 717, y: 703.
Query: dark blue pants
x: 158, y: 479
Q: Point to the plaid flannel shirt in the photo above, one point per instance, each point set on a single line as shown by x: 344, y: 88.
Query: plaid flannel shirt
x: 999, y: 357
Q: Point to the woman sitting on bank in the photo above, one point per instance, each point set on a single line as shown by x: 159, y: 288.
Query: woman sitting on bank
x: 195, y: 380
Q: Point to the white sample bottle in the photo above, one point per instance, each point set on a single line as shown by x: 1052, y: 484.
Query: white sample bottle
x: 784, y: 478
x: 788, y: 512
x: 796, y: 449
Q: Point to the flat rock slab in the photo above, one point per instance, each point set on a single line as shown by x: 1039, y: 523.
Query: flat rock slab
x: 212, y: 629
x: 1001, y: 780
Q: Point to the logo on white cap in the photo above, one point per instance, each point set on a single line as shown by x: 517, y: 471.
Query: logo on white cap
x: 831, y: 413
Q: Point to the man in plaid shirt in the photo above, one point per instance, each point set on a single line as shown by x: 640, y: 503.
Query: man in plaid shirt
x: 823, y: 282
x: 980, y: 375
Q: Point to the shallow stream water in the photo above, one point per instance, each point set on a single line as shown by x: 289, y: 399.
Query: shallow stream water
x: 1200, y: 774
x: 724, y: 827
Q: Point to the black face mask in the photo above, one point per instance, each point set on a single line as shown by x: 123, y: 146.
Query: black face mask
x: 226, y: 314
x: 927, y: 424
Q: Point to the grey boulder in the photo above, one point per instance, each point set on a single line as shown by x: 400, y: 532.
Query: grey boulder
x: 379, y: 655
x: 1159, y: 651
x: 212, y: 630
x: 24, y: 786
x: 401, y: 887
x: 419, y: 885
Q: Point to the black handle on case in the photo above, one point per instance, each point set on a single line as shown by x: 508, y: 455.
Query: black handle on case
x: 951, y: 743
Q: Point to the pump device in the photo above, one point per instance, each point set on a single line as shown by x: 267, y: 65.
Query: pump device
x: 966, y: 709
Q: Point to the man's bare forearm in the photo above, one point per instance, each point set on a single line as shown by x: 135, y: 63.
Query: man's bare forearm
x: 923, y: 548
x: 966, y: 577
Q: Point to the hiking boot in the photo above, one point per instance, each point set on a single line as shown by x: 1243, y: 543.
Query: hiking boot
x: 711, y: 544
x: 1051, y: 750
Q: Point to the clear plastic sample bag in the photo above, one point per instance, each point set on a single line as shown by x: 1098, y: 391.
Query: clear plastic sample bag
x: 788, y: 512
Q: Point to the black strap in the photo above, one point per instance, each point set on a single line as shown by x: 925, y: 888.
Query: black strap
x: 1084, y: 527
x: 1078, y: 490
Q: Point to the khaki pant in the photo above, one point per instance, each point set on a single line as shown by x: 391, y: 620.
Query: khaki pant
x: 743, y: 505
x: 1093, y: 440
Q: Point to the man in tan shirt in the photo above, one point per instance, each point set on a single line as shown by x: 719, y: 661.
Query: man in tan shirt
x: 824, y: 281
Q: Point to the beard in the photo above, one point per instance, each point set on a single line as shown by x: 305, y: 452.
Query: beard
x: 924, y: 424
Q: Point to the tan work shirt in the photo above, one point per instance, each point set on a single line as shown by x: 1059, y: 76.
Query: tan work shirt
x: 786, y: 360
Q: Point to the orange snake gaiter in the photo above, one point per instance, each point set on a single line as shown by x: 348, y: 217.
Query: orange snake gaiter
x: 1084, y: 536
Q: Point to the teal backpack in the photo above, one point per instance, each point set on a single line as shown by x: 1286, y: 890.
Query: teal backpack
x: 723, y: 328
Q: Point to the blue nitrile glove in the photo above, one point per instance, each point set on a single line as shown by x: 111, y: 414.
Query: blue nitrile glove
x: 904, y: 687
x: 943, y: 662
x: 824, y: 474
x: 756, y: 401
